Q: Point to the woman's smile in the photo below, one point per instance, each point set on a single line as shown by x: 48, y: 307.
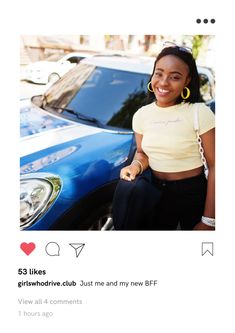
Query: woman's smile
x: 163, y: 92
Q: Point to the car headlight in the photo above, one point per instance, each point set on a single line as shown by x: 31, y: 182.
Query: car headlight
x: 37, y: 193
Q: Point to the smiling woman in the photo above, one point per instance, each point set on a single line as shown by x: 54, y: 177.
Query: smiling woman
x: 171, y: 76
x: 167, y: 147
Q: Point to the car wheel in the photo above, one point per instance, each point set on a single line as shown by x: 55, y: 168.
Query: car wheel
x: 103, y: 220
x: 53, y: 77
x: 93, y: 212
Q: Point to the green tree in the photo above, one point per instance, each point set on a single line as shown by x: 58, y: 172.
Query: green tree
x: 197, y: 43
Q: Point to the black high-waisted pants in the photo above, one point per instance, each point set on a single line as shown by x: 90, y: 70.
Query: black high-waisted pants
x: 148, y: 203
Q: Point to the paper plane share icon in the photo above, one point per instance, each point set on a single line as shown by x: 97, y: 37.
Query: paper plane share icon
x: 77, y: 247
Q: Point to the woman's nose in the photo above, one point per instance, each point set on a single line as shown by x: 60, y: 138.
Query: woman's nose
x: 164, y: 80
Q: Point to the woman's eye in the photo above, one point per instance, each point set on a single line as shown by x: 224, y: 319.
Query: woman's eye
x: 158, y: 74
x: 175, y: 78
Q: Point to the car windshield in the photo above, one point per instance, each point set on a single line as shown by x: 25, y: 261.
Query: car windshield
x: 111, y: 96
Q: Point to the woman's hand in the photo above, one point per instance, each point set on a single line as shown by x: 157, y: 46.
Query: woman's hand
x: 130, y: 172
x: 202, y: 226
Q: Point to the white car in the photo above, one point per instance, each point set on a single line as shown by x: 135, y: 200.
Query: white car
x: 50, y: 70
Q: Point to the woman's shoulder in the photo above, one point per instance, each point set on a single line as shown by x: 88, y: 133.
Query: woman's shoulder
x: 200, y: 106
x: 148, y: 106
x: 205, y: 116
x: 145, y: 108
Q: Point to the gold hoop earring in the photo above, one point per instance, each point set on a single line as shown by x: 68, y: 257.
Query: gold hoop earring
x: 187, y: 94
x: 149, y: 87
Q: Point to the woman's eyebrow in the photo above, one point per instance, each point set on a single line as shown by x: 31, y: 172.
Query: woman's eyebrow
x: 172, y: 72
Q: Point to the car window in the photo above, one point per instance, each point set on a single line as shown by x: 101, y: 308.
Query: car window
x: 112, y: 96
x: 74, y: 59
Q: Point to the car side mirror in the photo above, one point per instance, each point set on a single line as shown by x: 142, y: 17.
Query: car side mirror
x: 37, y: 100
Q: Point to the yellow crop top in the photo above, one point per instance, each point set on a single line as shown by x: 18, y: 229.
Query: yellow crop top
x: 169, y: 139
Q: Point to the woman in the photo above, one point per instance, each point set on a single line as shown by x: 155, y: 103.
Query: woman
x: 167, y: 145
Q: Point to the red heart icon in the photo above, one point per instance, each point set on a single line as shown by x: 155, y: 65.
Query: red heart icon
x: 27, y: 248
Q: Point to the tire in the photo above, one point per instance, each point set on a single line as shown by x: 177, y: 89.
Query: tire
x: 102, y: 219
x: 53, y: 77
x: 93, y: 212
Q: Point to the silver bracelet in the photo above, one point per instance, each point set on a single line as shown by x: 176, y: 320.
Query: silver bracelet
x: 208, y: 221
x: 140, y: 165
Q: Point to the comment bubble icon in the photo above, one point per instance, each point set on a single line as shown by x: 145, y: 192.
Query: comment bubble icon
x: 52, y: 249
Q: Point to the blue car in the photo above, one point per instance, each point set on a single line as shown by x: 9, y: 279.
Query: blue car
x: 75, y: 138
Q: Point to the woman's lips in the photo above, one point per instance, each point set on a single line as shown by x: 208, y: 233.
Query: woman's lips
x: 162, y: 92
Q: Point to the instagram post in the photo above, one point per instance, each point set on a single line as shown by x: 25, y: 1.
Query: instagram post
x: 77, y: 136
x: 115, y: 190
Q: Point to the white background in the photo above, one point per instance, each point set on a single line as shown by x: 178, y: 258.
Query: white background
x: 193, y: 291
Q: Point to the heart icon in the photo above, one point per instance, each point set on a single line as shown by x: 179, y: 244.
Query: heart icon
x: 27, y: 248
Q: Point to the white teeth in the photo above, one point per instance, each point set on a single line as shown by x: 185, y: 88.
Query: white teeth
x: 163, y: 90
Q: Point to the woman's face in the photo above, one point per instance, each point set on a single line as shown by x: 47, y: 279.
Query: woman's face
x: 170, y: 76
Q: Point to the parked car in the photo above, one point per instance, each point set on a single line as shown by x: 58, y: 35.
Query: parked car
x: 50, y: 70
x: 207, y: 86
x: 76, y: 137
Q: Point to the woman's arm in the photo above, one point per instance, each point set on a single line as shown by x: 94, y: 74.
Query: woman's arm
x: 140, y: 155
x: 135, y: 168
x: 208, y: 143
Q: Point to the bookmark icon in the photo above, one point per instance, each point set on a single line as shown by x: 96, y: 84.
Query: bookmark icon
x: 207, y: 248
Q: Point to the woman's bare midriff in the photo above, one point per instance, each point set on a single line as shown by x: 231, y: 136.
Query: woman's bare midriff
x: 178, y: 175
